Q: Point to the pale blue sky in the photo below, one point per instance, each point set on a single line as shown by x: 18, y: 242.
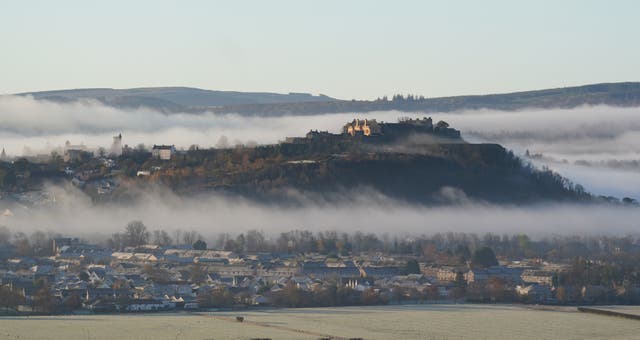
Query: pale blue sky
x: 346, y: 49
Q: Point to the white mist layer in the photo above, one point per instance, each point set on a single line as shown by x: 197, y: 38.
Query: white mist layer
x: 594, y: 134
x: 74, y: 214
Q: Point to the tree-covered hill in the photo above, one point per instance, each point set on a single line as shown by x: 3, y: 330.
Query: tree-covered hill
x: 409, y: 168
x: 484, y: 172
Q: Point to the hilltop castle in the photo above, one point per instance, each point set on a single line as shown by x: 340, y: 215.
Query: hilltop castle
x: 370, y: 129
x: 364, y: 128
x: 404, y: 127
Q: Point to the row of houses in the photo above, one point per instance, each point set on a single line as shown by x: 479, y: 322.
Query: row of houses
x: 150, y: 278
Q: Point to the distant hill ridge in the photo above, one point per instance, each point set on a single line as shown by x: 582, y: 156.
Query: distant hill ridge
x: 193, y: 100
x: 173, y: 99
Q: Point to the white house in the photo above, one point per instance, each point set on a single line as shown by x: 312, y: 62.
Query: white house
x: 163, y: 152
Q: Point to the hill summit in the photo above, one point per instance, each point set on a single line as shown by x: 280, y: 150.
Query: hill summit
x: 411, y: 160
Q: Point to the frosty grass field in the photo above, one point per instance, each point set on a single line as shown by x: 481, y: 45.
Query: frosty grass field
x: 384, y: 322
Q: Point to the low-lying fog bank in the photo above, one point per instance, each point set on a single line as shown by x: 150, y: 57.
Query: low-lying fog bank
x: 74, y: 214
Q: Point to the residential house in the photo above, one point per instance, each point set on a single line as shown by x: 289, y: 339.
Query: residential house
x: 504, y: 273
x: 163, y: 152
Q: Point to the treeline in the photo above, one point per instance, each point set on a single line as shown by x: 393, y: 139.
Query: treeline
x: 135, y: 234
x: 611, y: 279
x: 444, y: 248
x: 439, y: 247
x: 21, y: 244
x: 22, y: 175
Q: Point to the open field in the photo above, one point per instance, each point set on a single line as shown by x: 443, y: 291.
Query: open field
x: 632, y: 310
x: 384, y: 322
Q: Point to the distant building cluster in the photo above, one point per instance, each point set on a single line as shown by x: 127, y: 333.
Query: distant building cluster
x: 75, y: 153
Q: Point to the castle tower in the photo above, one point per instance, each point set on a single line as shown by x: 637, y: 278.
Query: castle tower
x: 365, y: 129
x: 116, y: 147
